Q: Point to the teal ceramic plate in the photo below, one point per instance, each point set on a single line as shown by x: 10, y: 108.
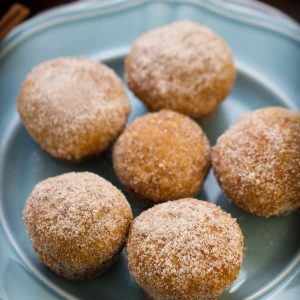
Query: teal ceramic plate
x: 267, y: 54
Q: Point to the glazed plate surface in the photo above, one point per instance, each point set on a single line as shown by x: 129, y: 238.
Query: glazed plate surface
x: 267, y: 56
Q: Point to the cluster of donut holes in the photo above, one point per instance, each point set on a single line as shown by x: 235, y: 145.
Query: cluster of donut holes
x: 78, y: 222
x: 75, y: 107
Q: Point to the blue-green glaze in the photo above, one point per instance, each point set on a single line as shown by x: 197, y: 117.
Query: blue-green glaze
x: 267, y: 54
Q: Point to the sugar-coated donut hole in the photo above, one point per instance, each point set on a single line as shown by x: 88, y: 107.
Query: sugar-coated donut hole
x: 257, y: 161
x: 77, y: 223
x: 182, y: 66
x: 73, y: 107
x: 162, y: 156
x: 185, y: 249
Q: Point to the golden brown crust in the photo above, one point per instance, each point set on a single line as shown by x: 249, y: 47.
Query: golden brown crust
x: 78, y: 274
x: 77, y: 223
x: 162, y: 156
x: 73, y: 107
x: 257, y: 162
x: 184, y: 250
x: 182, y: 66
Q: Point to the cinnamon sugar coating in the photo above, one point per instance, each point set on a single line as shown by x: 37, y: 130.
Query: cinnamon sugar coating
x: 73, y: 107
x: 257, y: 161
x: 184, y: 250
x: 181, y: 66
x: 77, y: 223
x: 162, y: 156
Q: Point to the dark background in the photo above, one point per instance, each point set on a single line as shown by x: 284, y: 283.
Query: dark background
x: 290, y: 7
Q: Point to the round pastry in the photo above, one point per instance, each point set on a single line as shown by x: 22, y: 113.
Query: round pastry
x: 73, y: 107
x: 77, y: 223
x: 184, y: 249
x: 162, y: 156
x: 257, y: 162
x: 183, y: 67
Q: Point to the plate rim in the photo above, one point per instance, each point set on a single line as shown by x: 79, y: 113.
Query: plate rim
x: 77, y: 11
